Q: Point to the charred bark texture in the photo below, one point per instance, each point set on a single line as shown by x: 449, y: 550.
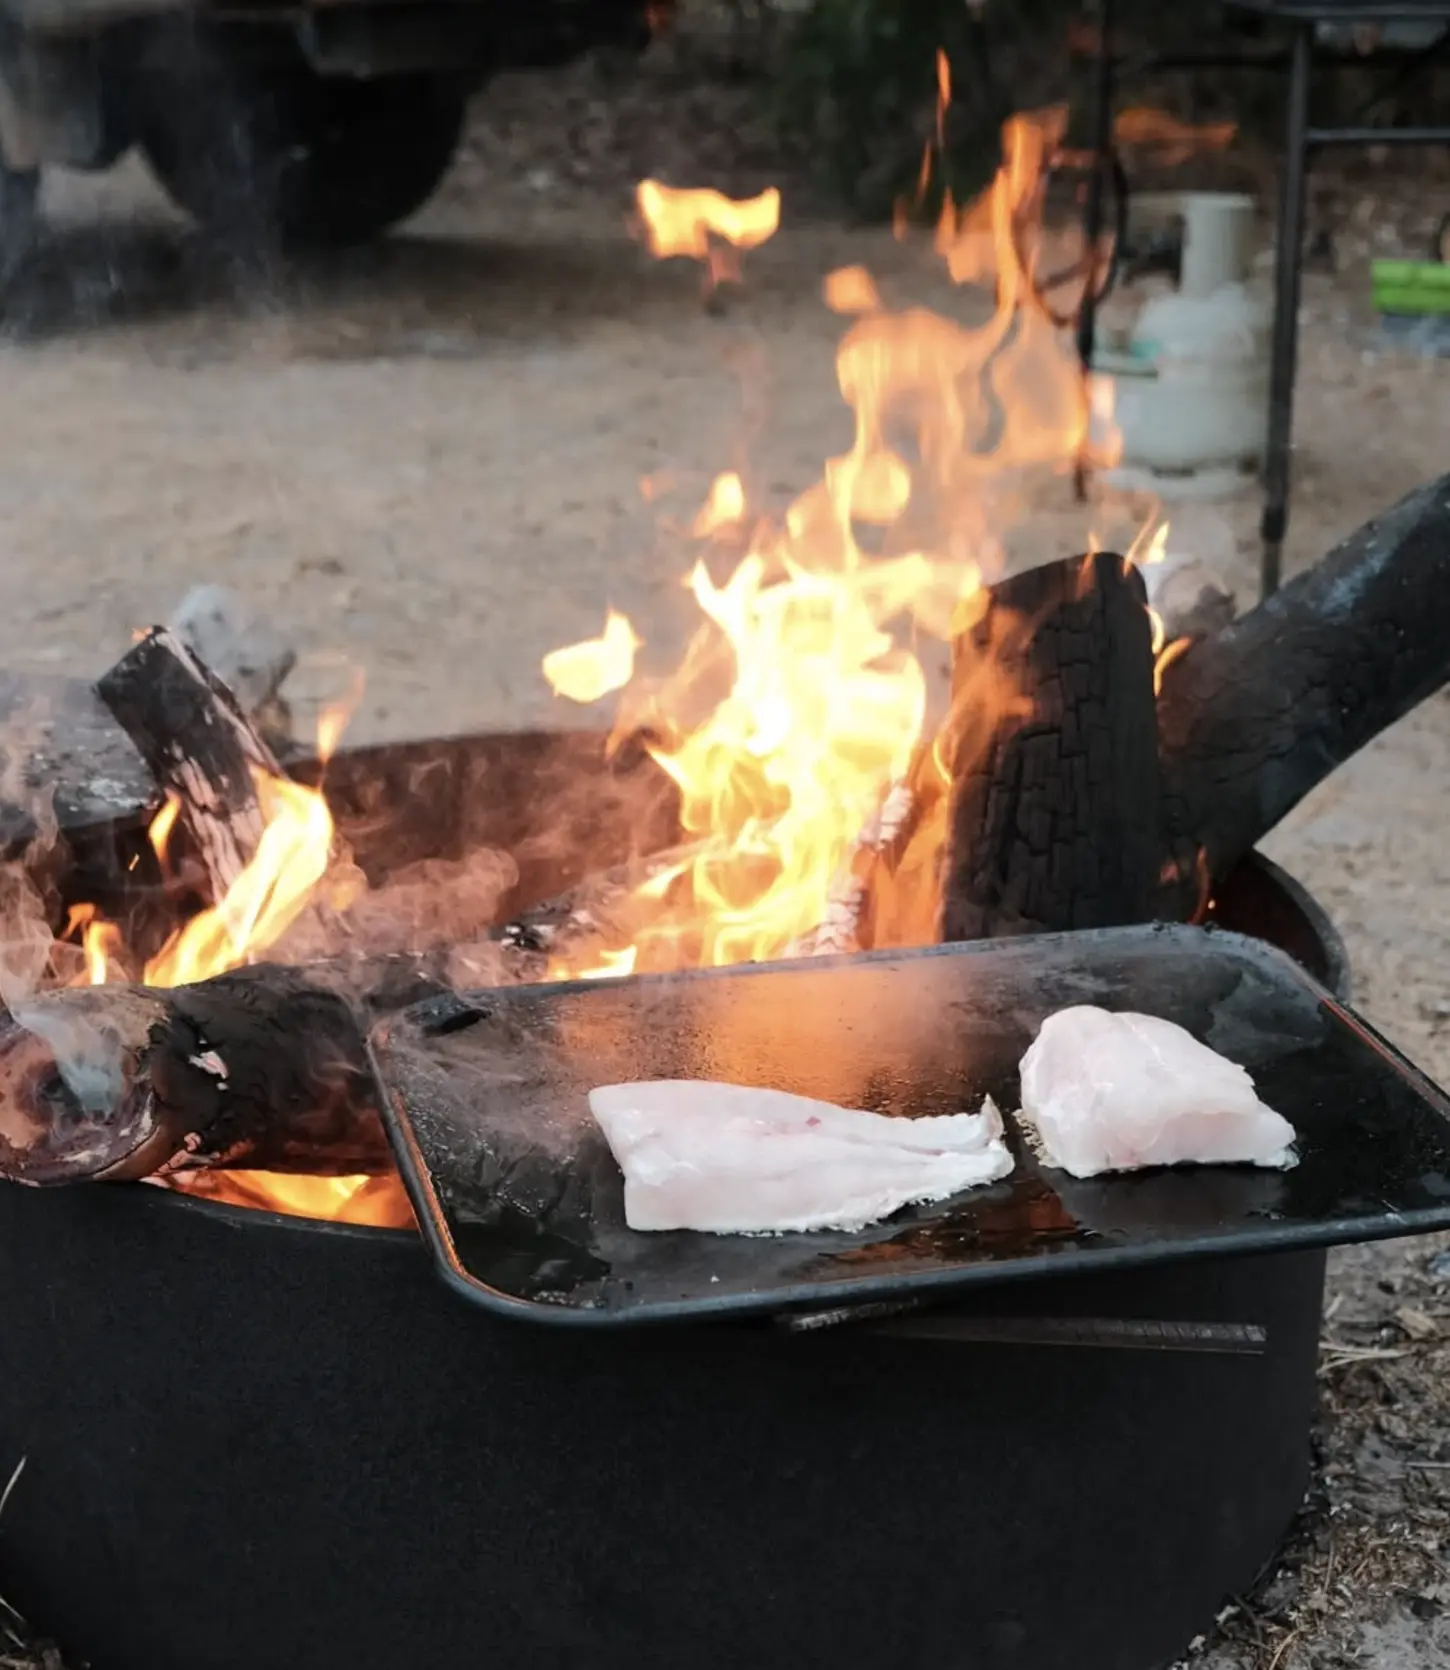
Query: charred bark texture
x: 200, y: 746
x: 1252, y: 719
x: 262, y: 1068
x: 1053, y: 821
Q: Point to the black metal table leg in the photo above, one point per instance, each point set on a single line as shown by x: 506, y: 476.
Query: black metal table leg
x: 1102, y: 143
x: 1286, y: 307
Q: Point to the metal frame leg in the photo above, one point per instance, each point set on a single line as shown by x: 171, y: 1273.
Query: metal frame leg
x: 1284, y: 355
x: 1087, y: 317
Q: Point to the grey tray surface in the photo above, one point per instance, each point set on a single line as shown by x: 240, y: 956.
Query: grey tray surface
x: 486, y: 1100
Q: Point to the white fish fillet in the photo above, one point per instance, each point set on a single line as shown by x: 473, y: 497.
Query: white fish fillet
x: 732, y: 1159
x: 1113, y: 1092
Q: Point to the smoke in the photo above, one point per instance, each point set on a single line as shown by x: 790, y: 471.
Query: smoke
x: 27, y: 859
x: 88, y: 1058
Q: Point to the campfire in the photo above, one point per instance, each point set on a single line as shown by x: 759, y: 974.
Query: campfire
x: 255, y: 979
x: 1086, y: 766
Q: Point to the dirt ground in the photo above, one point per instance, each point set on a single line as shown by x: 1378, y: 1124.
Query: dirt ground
x: 424, y: 460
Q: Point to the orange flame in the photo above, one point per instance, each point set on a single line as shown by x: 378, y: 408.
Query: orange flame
x: 612, y: 965
x: 706, y: 225
x: 380, y: 1202
x: 283, y: 876
x: 723, y: 509
x: 1165, y: 657
x: 801, y: 707
x: 101, y: 944
x: 102, y: 948
x: 851, y: 290
x: 291, y: 861
x: 162, y: 826
x: 586, y: 671
x: 1171, y: 141
x: 1151, y: 544
x: 265, y: 900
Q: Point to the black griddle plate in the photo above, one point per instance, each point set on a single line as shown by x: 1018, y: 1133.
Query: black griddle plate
x: 485, y: 1098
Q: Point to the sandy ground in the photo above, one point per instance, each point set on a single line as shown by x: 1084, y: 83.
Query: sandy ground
x: 425, y: 460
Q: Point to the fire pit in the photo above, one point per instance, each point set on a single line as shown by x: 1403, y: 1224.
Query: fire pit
x: 254, y: 1439
x: 250, y: 1438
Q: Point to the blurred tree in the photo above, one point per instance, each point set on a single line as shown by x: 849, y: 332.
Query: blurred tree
x: 855, y: 90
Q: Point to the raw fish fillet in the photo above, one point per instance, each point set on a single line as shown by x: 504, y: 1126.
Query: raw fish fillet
x: 1113, y: 1092
x: 731, y: 1159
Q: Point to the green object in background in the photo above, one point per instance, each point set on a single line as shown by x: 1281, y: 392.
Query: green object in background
x: 1410, y: 287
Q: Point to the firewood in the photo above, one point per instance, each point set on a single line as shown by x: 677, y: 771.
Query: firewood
x: 261, y: 1068
x: 199, y: 745
x: 1251, y: 719
x: 1052, y: 755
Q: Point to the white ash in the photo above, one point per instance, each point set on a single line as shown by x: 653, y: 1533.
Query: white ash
x: 838, y: 931
x: 882, y: 829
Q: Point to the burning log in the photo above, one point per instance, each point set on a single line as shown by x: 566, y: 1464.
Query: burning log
x: 1251, y: 719
x: 1088, y: 804
x: 1053, y: 819
x: 261, y: 1068
x: 200, y: 746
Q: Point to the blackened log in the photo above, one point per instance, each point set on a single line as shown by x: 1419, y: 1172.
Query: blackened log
x: 261, y: 1068
x: 63, y: 754
x: 1052, y: 756
x: 1253, y: 718
x: 201, y: 747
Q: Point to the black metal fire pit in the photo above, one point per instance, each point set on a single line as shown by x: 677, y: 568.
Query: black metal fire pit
x: 255, y: 1441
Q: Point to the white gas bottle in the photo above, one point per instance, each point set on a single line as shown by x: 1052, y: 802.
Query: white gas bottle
x: 1190, y: 388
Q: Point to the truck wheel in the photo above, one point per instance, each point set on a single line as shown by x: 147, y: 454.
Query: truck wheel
x: 17, y: 217
x: 313, y: 161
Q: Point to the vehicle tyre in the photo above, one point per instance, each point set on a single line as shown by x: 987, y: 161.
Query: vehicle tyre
x: 18, y: 193
x: 313, y: 161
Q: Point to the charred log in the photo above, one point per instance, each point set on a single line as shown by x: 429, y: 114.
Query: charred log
x: 1251, y: 719
x: 261, y: 1068
x: 201, y: 747
x: 1053, y: 817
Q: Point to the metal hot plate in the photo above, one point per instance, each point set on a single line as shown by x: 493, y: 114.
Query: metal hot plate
x: 523, y: 1203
